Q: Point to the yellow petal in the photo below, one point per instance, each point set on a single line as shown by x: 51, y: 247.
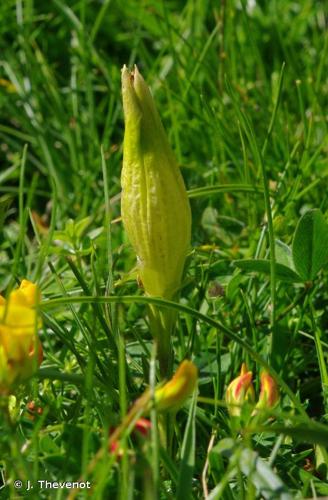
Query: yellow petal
x: 175, y: 392
x: 27, y: 294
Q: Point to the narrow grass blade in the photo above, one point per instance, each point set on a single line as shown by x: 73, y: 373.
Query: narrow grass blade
x: 184, y: 491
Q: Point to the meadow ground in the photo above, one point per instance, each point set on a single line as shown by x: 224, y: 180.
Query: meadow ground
x: 242, y: 90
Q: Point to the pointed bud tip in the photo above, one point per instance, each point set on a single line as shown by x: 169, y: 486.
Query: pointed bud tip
x: 125, y: 75
x: 130, y: 75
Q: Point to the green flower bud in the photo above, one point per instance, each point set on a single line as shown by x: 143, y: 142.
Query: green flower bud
x: 155, y: 206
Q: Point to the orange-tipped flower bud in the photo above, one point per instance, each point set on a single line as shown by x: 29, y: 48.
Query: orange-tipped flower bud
x: 172, y: 395
x: 20, y: 349
x: 239, y: 391
x: 269, y: 395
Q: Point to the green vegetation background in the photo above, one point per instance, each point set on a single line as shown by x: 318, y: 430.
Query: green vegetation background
x: 219, y: 70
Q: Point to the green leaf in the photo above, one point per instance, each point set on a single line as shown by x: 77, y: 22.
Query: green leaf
x: 283, y: 254
x: 188, y: 455
x: 82, y: 225
x: 259, y: 472
x: 283, y: 272
x: 225, y: 188
x: 169, y: 465
x: 267, y: 483
x: 310, y: 244
x: 308, y: 432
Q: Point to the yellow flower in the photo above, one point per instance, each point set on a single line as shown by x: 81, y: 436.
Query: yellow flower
x: 28, y: 294
x: 174, y: 393
x: 155, y: 206
x: 240, y: 390
x: 20, y: 350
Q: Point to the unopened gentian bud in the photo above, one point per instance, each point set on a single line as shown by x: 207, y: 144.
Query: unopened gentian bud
x: 269, y: 394
x: 155, y: 206
x: 239, y: 391
x: 172, y: 395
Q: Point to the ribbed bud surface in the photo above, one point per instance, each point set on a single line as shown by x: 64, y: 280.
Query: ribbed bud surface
x: 155, y: 206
